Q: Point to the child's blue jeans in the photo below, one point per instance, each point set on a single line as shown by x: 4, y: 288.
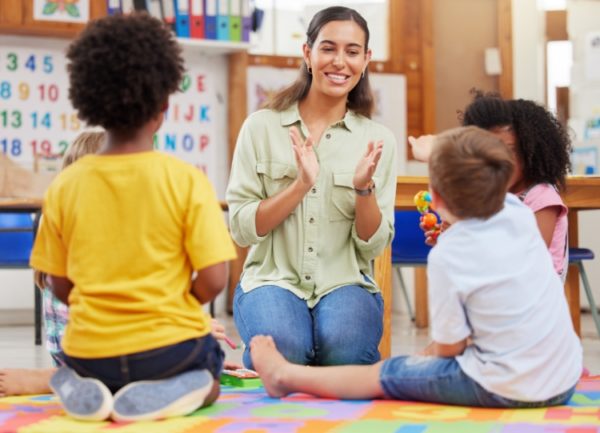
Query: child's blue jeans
x: 156, y: 364
x: 441, y: 380
x: 345, y: 326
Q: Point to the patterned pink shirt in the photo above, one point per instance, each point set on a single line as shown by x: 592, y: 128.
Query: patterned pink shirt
x: 540, y: 197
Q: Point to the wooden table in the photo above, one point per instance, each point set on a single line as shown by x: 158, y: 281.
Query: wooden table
x: 582, y: 193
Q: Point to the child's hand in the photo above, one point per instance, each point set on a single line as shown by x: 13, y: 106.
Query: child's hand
x: 431, y: 235
x: 231, y: 365
x: 217, y: 330
x: 421, y: 147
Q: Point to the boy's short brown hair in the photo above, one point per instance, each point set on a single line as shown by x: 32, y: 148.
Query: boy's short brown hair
x: 470, y: 169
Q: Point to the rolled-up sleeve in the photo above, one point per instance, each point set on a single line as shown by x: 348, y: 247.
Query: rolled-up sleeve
x: 385, y: 192
x: 245, y: 190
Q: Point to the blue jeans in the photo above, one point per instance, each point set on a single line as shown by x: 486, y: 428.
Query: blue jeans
x: 345, y: 326
x: 441, y: 380
x: 156, y: 364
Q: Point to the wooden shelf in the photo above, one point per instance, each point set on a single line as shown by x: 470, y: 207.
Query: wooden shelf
x: 212, y: 47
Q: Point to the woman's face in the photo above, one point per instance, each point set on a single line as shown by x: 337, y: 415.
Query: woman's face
x: 337, y: 58
x: 507, y: 135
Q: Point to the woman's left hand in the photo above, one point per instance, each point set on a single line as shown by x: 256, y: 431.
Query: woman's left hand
x: 367, y: 165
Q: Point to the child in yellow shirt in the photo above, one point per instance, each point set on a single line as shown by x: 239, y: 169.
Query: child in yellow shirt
x: 124, y: 233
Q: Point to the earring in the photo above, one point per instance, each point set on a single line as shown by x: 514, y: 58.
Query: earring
x: 309, y: 69
x: 363, y: 74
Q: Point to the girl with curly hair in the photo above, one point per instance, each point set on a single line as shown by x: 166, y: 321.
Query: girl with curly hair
x: 541, y: 148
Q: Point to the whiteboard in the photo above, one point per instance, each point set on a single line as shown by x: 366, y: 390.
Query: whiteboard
x: 37, y: 116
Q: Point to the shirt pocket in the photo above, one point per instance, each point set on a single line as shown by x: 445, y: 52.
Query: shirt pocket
x: 276, y: 176
x: 343, y: 198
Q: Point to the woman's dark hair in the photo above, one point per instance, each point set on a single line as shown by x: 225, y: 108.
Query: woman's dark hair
x: 122, y: 70
x: 543, y: 144
x: 360, y: 98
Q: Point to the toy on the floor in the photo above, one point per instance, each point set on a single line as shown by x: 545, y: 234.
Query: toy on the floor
x: 241, y: 378
x: 430, y: 220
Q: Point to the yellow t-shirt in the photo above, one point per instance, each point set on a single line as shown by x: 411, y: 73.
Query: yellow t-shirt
x: 128, y: 231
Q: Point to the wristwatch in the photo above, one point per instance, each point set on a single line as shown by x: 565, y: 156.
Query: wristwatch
x: 367, y: 191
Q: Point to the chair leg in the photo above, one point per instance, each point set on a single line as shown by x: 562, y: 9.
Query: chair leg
x: 37, y: 320
x: 405, y: 293
x: 590, y: 296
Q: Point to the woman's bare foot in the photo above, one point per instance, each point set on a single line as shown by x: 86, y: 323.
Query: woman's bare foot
x: 270, y: 365
x: 17, y: 381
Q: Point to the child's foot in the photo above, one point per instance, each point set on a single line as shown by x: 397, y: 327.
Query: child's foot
x: 153, y: 399
x: 82, y: 398
x: 20, y: 381
x: 270, y: 365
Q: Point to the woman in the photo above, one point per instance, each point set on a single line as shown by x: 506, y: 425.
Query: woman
x: 312, y: 192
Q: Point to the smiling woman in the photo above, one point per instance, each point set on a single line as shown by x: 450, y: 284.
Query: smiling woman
x: 311, y: 192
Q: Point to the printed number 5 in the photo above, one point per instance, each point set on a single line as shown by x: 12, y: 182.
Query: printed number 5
x: 48, y: 66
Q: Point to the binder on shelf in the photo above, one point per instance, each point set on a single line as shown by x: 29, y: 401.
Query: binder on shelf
x: 182, y: 18
x: 113, y: 7
x: 235, y: 20
x: 210, y: 19
x: 197, y: 18
x: 139, y: 5
x: 169, y: 13
x: 127, y: 6
x: 223, y: 20
x: 155, y: 9
x: 246, y: 20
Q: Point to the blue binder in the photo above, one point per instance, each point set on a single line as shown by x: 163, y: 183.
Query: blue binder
x: 182, y: 18
x: 223, y: 20
x: 113, y: 7
x: 210, y: 19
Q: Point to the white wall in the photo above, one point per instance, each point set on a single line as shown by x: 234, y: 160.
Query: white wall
x: 528, y: 50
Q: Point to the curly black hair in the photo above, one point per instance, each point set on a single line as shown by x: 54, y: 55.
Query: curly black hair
x: 122, y: 70
x: 544, y: 145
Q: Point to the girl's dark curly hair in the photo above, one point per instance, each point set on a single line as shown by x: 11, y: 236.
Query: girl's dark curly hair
x: 122, y: 70
x: 544, y: 145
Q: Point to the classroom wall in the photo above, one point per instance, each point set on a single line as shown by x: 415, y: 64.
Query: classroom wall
x: 528, y: 50
x: 197, y: 135
x: 582, y: 19
x: 459, y: 55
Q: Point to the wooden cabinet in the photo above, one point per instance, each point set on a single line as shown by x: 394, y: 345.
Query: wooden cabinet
x: 16, y: 17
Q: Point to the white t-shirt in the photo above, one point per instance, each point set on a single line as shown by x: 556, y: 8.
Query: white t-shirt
x: 494, y: 280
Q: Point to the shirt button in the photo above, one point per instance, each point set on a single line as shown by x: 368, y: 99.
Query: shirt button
x: 328, y: 136
x: 314, y: 190
x: 310, y: 249
x: 307, y: 278
x: 311, y: 220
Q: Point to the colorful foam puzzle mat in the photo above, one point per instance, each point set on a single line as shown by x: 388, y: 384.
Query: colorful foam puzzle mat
x: 250, y: 410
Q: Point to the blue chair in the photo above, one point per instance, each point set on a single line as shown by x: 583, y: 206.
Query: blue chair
x: 408, y: 248
x: 17, y: 230
x: 576, y: 257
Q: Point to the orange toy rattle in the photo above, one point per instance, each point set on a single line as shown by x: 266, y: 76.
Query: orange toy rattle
x: 429, y: 218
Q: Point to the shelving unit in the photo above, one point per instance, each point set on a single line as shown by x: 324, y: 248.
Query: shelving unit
x: 211, y: 47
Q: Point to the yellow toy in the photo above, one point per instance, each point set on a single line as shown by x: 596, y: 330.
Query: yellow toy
x: 429, y: 218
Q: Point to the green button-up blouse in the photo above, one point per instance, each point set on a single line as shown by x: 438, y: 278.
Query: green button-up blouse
x: 316, y: 248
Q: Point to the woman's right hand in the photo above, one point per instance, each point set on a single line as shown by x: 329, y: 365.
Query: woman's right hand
x: 306, y: 158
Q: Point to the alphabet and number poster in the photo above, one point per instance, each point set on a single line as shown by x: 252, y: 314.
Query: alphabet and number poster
x: 36, y: 115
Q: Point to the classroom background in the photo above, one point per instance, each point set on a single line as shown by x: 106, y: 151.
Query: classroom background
x: 239, y: 52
